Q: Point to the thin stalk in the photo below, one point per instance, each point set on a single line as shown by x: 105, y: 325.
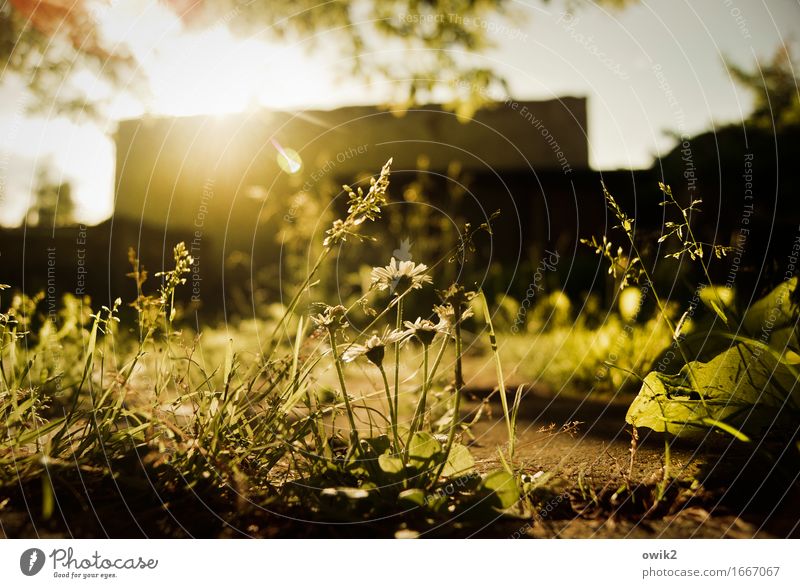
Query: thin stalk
x: 397, y: 360
x: 663, y: 311
x: 459, y: 384
x: 293, y: 303
x: 629, y: 233
x: 392, y: 413
x: 420, y: 410
x: 662, y: 486
x: 501, y: 385
x: 694, y: 241
x: 436, y: 362
x: 340, y: 373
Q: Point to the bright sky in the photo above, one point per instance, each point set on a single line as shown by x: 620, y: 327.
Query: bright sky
x: 655, y: 67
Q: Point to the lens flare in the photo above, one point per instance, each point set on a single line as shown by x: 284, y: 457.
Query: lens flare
x: 288, y: 159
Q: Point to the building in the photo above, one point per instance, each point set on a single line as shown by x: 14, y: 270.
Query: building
x: 225, y: 186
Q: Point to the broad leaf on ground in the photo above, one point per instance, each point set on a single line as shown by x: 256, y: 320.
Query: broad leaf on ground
x: 423, y: 451
x: 744, y: 388
x: 460, y: 462
x: 503, y: 487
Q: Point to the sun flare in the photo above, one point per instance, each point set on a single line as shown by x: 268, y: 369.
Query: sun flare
x: 207, y: 71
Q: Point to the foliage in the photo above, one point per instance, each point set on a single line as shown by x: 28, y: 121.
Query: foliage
x: 740, y: 391
x: 774, y: 87
x: 747, y: 382
x: 581, y: 358
x: 49, y: 42
x: 53, y: 204
x: 85, y: 391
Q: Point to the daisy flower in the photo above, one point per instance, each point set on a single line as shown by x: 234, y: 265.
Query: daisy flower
x: 374, y: 348
x: 447, y: 316
x: 400, y: 276
x: 424, y: 330
x: 330, y: 318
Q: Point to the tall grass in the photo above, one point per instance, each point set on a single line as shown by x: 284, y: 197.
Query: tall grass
x: 257, y: 421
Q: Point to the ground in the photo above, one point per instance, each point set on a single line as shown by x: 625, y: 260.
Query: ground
x: 718, y: 489
x: 741, y: 495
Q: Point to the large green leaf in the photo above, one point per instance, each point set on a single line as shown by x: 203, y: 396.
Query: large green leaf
x: 459, y: 462
x: 390, y: 464
x: 503, y: 487
x: 771, y: 312
x: 744, y: 388
x: 770, y: 320
x: 423, y: 451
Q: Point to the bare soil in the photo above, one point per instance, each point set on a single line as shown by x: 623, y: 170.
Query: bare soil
x: 719, y: 488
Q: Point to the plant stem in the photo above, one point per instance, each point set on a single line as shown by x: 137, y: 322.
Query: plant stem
x: 662, y: 309
x: 436, y: 362
x: 501, y: 385
x: 459, y: 384
x: 392, y: 414
x: 420, y: 410
x: 662, y: 486
x: 696, y: 243
x: 340, y: 373
x: 273, y: 342
x: 397, y: 360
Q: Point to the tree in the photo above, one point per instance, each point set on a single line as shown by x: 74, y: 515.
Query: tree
x: 53, y: 205
x: 775, y: 89
x: 48, y: 41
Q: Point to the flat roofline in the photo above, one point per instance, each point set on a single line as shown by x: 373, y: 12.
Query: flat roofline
x: 431, y: 106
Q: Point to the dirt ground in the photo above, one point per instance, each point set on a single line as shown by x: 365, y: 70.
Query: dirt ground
x: 721, y: 488
x: 580, y: 444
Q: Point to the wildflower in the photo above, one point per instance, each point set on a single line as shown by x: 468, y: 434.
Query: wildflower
x: 424, y: 330
x: 447, y: 316
x: 458, y: 298
x: 330, y: 318
x: 374, y: 348
x: 400, y: 276
x: 361, y: 207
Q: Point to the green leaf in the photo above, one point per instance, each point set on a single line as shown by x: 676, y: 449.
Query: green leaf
x: 459, y: 462
x: 390, y: 464
x: 378, y: 445
x: 415, y: 496
x: 728, y: 429
x: 743, y: 388
x: 423, y: 451
x: 228, y: 366
x: 720, y: 313
x: 504, y: 488
x: 773, y: 311
x: 346, y: 492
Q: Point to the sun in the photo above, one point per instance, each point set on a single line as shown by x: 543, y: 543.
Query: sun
x: 210, y: 70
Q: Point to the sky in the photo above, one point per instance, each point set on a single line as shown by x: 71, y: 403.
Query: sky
x: 654, y: 68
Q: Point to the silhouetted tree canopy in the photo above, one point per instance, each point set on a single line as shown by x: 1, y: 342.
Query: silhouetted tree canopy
x: 47, y: 41
x: 775, y: 89
x: 53, y: 205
